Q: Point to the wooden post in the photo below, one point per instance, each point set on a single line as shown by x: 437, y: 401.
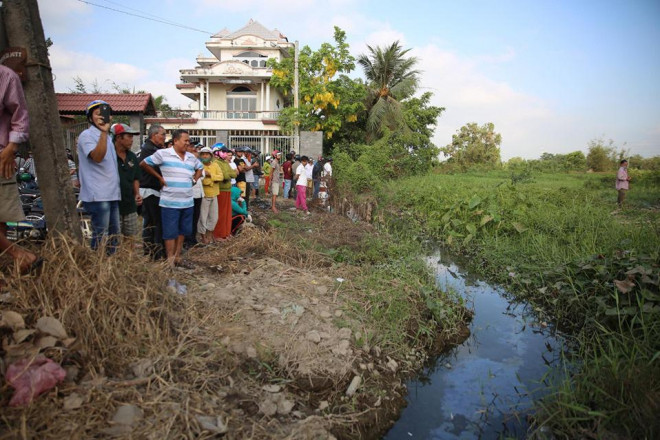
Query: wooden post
x: 24, y: 29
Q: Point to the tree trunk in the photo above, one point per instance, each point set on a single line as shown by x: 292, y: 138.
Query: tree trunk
x: 24, y: 29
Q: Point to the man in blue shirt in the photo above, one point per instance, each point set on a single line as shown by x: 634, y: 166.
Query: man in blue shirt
x: 180, y: 171
x: 99, y: 180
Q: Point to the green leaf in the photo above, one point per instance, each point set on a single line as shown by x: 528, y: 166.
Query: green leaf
x: 474, y: 202
x: 519, y: 227
x: 468, y: 239
x: 471, y: 228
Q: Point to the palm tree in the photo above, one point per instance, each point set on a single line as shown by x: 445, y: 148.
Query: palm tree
x: 391, y: 79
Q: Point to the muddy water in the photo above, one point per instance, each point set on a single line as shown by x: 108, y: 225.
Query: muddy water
x: 483, y: 388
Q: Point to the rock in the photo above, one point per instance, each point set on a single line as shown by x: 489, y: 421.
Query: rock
x: 251, y: 352
x: 258, y: 307
x: 344, y: 333
x: 127, y: 415
x: 12, y: 320
x: 375, y: 350
x: 51, y: 326
x: 142, y: 368
x: 323, y: 405
x: 213, y: 424
x: 321, y: 290
x: 392, y: 365
x: 448, y: 365
x: 355, y: 384
x: 285, y: 406
x: 313, y: 336
x: 342, y: 348
x: 73, y: 401
x: 363, y: 366
x: 338, y: 313
x: 225, y: 341
x: 46, y: 342
x: 272, y: 388
x: 325, y: 314
x: 268, y: 407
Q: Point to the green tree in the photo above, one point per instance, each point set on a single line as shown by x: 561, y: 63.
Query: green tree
x: 602, y: 155
x: 474, y: 145
x: 328, y: 98
x: 391, y: 78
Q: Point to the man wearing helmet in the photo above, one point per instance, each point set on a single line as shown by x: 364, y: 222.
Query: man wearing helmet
x: 99, y: 180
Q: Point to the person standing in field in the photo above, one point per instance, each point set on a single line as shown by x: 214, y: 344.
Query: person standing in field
x: 301, y: 185
x: 180, y: 172
x: 152, y: 230
x: 222, y: 229
x: 129, y: 179
x: 266, y: 170
x: 275, y: 179
x: 99, y: 180
x: 209, y: 210
x: 14, y: 129
x: 288, y: 174
x: 622, y: 182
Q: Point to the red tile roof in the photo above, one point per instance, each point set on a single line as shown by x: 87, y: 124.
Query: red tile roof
x: 76, y: 103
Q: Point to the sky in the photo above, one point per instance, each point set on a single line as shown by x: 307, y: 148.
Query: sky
x: 551, y: 75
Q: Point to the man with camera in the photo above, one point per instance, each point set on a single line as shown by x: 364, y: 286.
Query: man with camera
x: 99, y: 180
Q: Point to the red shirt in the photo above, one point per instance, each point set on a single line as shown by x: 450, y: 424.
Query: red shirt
x: 286, y: 168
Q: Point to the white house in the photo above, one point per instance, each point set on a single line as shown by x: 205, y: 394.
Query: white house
x: 234, y: 102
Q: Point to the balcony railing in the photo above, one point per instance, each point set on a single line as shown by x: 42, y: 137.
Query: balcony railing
x: 219, y: 115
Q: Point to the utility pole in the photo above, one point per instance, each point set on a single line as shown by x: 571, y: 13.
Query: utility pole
x: 296, y: 104
x: 24, y: 29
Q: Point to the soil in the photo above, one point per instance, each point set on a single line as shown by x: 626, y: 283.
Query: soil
x: 288, y: 356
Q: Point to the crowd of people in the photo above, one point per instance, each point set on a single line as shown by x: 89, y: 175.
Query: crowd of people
x: 187, y: 193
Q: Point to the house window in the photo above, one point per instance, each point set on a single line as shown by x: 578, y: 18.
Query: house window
x: 253, y: 59
x: 241, y: 103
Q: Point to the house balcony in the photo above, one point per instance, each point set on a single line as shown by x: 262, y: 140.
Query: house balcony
x: 218, y: 119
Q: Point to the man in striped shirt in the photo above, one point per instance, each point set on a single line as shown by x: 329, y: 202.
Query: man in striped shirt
x: 180, y: 171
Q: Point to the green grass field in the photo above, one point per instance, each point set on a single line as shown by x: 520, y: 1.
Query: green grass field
x: 559, y: 242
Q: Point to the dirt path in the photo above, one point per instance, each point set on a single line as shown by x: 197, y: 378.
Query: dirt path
x: 267, y: 342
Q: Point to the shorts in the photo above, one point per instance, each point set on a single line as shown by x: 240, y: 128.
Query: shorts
x: 275, y: 188
x: 129, y: 224
x: 10, y: 202
x: 176, y: 222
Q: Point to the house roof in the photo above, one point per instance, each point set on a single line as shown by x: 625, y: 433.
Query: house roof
x: 76, y: 103
x: 254, y: 28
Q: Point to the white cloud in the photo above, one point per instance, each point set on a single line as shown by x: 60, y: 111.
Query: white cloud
x: 67, y: 64
x: 528, y: 125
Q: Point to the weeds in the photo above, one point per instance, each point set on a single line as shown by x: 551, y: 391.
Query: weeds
x: 557, y: 244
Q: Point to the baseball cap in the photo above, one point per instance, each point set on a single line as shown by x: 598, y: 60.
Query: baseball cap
x: 118, y: 129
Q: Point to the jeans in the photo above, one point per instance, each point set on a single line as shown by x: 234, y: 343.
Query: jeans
x: 317, y: 187
x: 287, y: 188
x: 105, y: 222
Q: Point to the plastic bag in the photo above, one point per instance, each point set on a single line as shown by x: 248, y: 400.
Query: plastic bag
x: 31, y: 377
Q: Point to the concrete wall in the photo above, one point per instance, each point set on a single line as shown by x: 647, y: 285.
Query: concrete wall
x: 311, y: 143
x: 222, y: 136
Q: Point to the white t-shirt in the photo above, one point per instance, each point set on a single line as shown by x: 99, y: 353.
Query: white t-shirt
x: 327, y: 169
x: 302, y: 178
x: 309, y: 168
x: 234, y: 167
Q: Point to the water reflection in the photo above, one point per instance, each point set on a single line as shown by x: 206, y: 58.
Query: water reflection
x: 483, y: 388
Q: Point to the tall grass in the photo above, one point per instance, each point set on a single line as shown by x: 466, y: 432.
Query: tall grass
x: 558, y: 241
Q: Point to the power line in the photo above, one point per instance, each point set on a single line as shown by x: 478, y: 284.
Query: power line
x: 147, y: 18
x: 140, y: 11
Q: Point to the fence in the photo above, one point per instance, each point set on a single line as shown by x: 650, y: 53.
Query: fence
x: 264, y: 144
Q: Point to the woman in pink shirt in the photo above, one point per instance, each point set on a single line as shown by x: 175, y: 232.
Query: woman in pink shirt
x: 622, y: 180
